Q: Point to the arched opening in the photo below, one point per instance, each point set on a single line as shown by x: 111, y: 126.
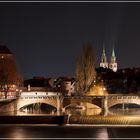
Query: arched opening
x: 38, y: 108
x: 125, y: 109
x: 82, y: 108
x: 73, y: 108
x: 91, y: 109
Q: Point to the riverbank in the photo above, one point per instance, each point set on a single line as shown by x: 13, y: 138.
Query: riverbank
x: 32, y: 119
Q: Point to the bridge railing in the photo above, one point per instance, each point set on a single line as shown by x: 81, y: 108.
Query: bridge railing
x: 123, y: 97
x: 83, y: 97
x: 38, y: 96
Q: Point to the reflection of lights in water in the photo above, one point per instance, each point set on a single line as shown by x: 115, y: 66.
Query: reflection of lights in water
x: 18, y: 133
x: 94, y: 110
x: 131, y: 112
x: 37, y: 109
x: 102, y: 134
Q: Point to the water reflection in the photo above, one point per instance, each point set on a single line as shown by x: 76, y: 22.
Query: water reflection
x: 44, y: 109
x: 38, y: 132
x: 125, y: 109
x: 102, y: 134
x: 46, y: 132
x: 38, y: 109
x: 130, y: 112
x: 18, y: 132
x: 91, y: 111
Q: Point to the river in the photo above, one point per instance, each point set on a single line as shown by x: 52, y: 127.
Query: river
x: 73, y: 132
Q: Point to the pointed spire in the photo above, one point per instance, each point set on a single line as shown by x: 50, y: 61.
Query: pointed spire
x: 113, y: 57
x: 113, y: 63
x: 113, y: 52
x: 104, y: 62
x: 104, y: 58
x: 103, y: 54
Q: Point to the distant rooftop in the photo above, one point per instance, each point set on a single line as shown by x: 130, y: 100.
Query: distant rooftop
x: 4, y: 49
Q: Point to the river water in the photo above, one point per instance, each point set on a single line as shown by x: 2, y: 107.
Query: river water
x: 71, y: 131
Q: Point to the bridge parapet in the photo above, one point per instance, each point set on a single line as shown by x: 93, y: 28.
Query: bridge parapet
x: 123, y: 97
x: 128, y: 99
x: 39, y: 97
x: 38, y: 93
x: 84, y: 97
x: 54, y: 101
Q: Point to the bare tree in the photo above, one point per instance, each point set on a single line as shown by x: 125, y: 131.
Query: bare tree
x: 85, y: 69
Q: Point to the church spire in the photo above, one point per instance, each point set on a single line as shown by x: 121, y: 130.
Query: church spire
x: 113, y: 63
x: 113, y: 57
x: 103, y: 54
x: 113, y: 52
x: 104, y: 63
x: 103, y: 58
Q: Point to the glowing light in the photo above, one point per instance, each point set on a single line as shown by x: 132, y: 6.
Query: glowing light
x: 97, y: 90
x: 104, y: 88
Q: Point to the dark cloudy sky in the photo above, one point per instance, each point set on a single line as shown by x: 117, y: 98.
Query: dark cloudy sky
x: 46, y: 37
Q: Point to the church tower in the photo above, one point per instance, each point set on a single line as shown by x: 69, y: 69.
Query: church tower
x: 113, y: 63
x: 104, y: 62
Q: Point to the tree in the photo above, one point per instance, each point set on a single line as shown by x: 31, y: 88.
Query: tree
x: 85, y: 69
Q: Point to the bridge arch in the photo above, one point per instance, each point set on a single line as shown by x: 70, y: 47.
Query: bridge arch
x: 113, y: 102
x: 96, y: 101
x: 25, y: 102
x: 72, y: 104
x: 37, y: 103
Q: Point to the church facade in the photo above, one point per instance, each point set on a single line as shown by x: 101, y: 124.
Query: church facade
x: 112, y: 64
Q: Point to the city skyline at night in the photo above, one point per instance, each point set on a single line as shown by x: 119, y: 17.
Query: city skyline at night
x: 47, y: 37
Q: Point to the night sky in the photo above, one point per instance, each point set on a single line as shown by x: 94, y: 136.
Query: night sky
x: 47, y: 37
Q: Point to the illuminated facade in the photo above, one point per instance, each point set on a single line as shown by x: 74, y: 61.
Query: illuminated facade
x: 104, y: 62
x: 112, y: 65
x: 9, y: 79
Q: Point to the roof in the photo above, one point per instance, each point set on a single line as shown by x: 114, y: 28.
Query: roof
x: 4, y: 50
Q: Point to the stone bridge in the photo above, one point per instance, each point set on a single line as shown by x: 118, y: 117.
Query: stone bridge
x: 77, y: 100
x: 122, y: 99
x: 54, y: 101
x: 60, y: 102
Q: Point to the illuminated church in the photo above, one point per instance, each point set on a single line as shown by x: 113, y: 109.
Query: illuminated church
x: 104, y: 63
